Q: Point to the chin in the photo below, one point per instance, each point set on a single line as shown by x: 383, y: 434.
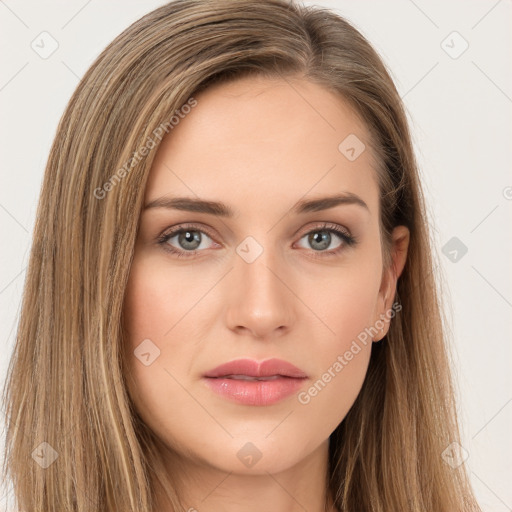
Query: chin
x: 256, y: 455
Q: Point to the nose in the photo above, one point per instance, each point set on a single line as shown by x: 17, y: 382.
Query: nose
x: 261, y: 302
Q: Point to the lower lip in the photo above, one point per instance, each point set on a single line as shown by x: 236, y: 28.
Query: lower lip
x: 255, y: 392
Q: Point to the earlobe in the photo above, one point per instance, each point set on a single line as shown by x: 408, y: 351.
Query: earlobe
x: 399, y: 249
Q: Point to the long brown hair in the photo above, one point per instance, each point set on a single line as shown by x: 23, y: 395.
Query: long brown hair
x: 65, y: 394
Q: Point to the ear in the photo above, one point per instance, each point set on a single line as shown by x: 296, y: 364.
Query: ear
x: 399, y: 246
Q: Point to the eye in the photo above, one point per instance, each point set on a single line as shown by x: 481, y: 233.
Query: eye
x: 188, y: 241
x: 321, y: 238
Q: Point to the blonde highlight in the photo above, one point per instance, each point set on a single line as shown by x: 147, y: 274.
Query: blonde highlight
x: 66, y: 383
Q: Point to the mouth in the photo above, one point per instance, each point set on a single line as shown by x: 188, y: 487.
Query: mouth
x: 250, y: 382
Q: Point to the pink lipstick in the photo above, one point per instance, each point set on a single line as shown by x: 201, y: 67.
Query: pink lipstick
x: 250, y: 382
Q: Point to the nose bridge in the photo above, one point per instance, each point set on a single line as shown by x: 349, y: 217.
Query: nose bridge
x: 261, y: 302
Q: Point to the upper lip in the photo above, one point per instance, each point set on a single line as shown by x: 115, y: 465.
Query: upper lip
x: 253, y: 368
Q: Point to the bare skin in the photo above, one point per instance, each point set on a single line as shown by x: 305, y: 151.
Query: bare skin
x: 259, y: 146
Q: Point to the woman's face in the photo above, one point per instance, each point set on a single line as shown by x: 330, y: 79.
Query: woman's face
x: 264, y: 276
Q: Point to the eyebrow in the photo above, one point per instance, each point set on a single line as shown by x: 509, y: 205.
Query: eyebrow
x: 191, y: 204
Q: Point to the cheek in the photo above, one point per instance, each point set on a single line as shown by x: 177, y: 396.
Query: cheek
x: 153, y: 310
x: 149, y: 314
x: 346, y: 305
x: 346, y: 302
x: 145, y: 305
x: 156, y: 299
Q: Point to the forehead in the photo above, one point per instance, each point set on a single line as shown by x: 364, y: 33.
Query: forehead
x: 256, y: 142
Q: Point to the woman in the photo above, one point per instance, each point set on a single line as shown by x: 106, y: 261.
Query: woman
x: 230, y: 302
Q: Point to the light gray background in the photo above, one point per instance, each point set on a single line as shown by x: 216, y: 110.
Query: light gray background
x: 460, y: 114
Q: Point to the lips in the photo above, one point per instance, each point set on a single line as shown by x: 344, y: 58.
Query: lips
x: 250, y: 368
x: 250, y: 382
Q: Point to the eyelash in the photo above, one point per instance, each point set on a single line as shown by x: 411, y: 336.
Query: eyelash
x: 347, y: 239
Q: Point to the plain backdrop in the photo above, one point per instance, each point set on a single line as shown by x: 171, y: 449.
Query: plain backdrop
x: 451, y: 62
